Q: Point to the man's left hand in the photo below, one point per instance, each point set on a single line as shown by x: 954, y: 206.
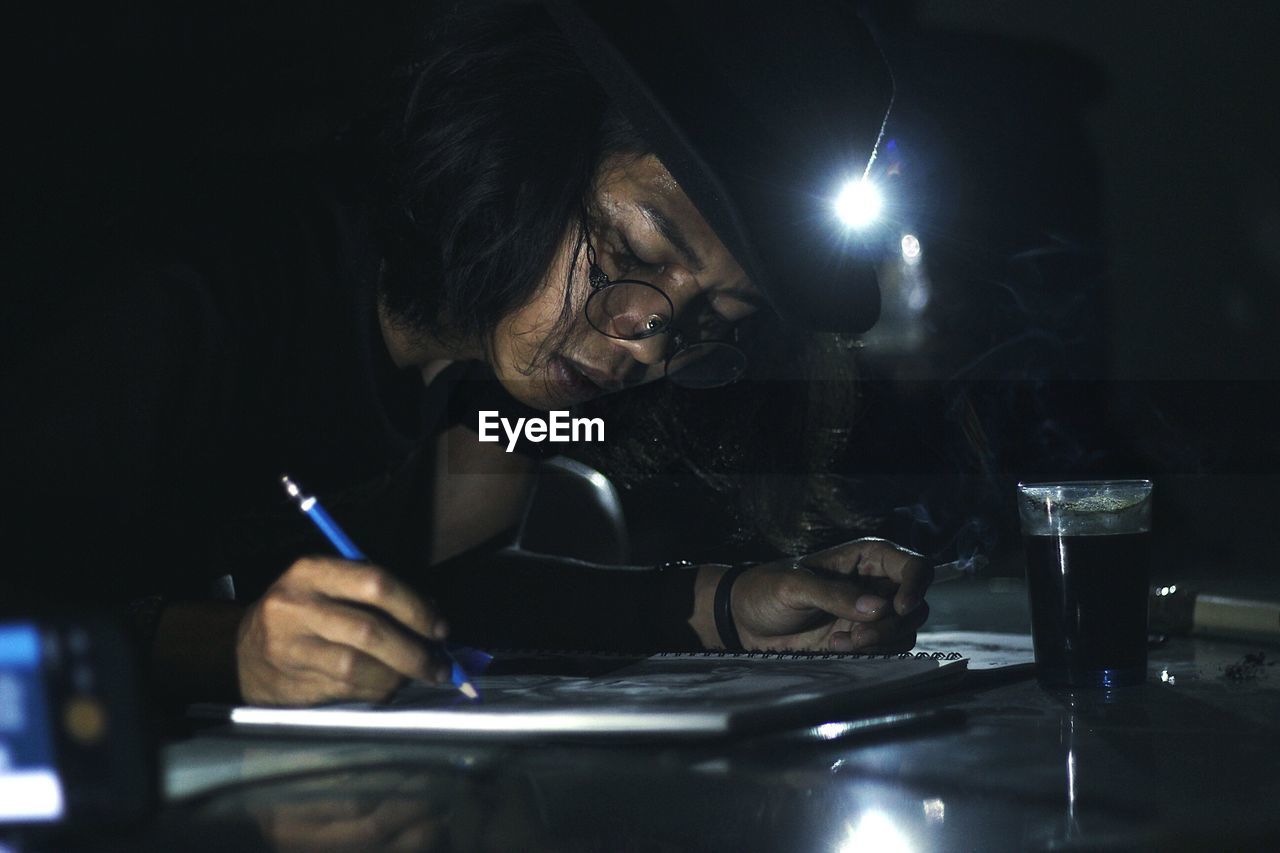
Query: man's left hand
x: 866, y: 595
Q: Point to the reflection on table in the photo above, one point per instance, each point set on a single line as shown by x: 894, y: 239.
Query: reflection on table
x: 1187, y: 761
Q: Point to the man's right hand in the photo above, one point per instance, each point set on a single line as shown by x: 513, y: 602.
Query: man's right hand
x: 332, y: 629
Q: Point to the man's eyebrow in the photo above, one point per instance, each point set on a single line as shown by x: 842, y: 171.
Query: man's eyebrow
x: 668, y: 229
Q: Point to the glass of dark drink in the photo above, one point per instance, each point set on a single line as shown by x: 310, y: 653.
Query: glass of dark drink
x: 1088, y: 553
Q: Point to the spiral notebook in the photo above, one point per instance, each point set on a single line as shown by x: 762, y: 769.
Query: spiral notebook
x: 671, y: 695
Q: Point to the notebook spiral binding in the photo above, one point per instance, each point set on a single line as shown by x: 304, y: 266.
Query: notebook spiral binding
x: 767, y: 654
x: 784, y: 655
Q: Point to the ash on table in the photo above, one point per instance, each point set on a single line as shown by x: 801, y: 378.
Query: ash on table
x: 1248, y: 668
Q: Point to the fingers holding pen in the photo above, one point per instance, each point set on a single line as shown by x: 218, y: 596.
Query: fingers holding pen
x: 375, y: 587
x: 371, y: 634
x: 350, y: 604
x: 332, y: 629
x: 343, y: 672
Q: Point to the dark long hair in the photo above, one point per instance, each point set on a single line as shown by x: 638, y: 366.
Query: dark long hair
x: 493, y: 165
x: 494, y: 161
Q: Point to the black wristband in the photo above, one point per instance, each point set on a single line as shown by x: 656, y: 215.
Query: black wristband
x: 724, y: 610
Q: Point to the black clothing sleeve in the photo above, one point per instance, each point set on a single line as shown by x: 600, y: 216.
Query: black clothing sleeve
x: 517, y: 600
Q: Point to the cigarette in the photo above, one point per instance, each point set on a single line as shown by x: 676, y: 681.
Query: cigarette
x: 956, y: 569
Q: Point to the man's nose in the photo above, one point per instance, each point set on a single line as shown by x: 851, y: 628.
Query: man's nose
x: 654, y: 350
x: 651, y: 351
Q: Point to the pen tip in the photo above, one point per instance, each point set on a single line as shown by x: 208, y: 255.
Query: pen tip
x: 290, y: 486
x: 468, y: 691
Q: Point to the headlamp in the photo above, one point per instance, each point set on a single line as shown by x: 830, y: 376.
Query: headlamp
x: 753, y: 106
x: 859, y: 204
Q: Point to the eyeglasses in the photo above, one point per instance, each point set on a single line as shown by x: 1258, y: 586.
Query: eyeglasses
x: 632, y: 310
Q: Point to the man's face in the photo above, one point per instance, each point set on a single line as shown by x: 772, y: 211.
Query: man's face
x: 645, y: 228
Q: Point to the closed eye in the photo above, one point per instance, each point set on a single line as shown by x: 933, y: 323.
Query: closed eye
x: 711, y: 324
x: 626, y: 259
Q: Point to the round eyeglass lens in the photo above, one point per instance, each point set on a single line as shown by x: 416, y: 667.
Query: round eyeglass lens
x: 629, y: 310
x: 708, y: 364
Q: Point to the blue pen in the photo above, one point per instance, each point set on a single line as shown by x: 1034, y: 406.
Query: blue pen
x: 335, y: 534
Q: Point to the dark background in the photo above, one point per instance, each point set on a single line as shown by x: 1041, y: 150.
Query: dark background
x: 1179, y: 194
x: 1096, y: 188
x: 1188, y: 143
